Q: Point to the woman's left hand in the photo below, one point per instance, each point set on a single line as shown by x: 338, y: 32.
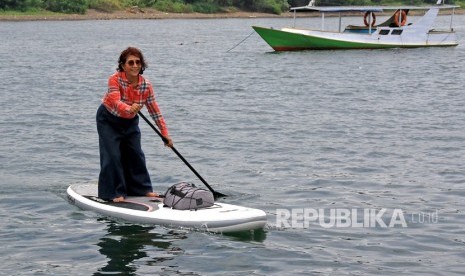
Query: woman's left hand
x: 168, y: 141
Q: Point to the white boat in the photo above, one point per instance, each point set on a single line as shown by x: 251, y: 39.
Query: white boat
x: 396, y: 32
x: 220, y: 218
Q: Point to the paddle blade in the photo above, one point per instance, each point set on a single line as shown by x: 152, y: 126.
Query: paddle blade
x: 217, y: 195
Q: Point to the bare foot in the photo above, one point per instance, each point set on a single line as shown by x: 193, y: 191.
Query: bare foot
x: 151, y: 194
x: 118, y: 199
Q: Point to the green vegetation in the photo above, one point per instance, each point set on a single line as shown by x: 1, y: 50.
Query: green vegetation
x: 187, y: 6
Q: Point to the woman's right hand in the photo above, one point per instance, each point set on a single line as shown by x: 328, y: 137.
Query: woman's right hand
x: 135, y: 108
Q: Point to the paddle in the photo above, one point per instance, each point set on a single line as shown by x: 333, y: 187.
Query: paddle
x: 215, y: 193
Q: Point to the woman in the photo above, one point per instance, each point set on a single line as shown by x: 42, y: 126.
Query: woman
x: 123, y: 171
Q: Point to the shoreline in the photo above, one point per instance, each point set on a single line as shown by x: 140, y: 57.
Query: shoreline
x: 137, y: 13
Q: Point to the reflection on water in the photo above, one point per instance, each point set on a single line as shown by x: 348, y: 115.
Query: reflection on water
x: 125, y: 244
x: 258, y: 235
x: 128, y: 247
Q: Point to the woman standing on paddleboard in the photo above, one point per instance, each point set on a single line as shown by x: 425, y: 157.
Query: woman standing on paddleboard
x: 123, y: 171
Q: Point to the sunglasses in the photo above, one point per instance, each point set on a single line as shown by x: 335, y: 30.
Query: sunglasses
x: 132, y: 62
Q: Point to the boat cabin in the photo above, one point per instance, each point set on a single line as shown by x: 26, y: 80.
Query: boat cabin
x: 397, y: 20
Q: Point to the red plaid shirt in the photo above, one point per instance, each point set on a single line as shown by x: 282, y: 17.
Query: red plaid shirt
x: 121, y: 95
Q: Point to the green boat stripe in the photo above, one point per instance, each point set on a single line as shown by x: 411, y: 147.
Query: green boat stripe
x: 287, y: 41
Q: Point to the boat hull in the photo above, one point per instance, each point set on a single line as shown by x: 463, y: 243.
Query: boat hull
x: 290, y: 39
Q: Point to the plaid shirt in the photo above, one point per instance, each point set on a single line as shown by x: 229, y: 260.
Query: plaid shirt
x: 121, y: 95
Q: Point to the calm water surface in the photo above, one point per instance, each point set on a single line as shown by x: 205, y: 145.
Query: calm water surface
x: 329, y: 130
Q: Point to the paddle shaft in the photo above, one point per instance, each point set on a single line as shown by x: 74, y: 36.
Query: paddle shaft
x: 215, y: 193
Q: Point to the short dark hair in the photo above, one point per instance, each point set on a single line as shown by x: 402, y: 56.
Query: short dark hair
x: 131, y: 51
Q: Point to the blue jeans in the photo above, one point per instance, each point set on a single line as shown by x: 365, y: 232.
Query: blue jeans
x: 123, y: 171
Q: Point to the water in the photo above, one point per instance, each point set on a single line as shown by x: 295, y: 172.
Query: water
x: 330, y: 130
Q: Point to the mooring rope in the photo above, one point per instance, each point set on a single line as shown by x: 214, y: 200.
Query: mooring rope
x: 240, y: 42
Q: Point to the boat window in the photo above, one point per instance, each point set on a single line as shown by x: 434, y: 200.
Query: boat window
x: 396, y: 32
x: 384, y: 32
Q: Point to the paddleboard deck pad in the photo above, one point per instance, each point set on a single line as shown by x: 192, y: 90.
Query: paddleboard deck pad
x: 220, y: 217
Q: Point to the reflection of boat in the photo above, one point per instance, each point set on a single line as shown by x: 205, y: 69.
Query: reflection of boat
x: 220, y: 217
x: 395, y: 32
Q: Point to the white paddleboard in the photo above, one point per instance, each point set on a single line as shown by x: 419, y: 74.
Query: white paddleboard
x: 220, y: 217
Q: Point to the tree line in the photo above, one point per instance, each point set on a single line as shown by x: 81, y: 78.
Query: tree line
x: 186, y: 6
